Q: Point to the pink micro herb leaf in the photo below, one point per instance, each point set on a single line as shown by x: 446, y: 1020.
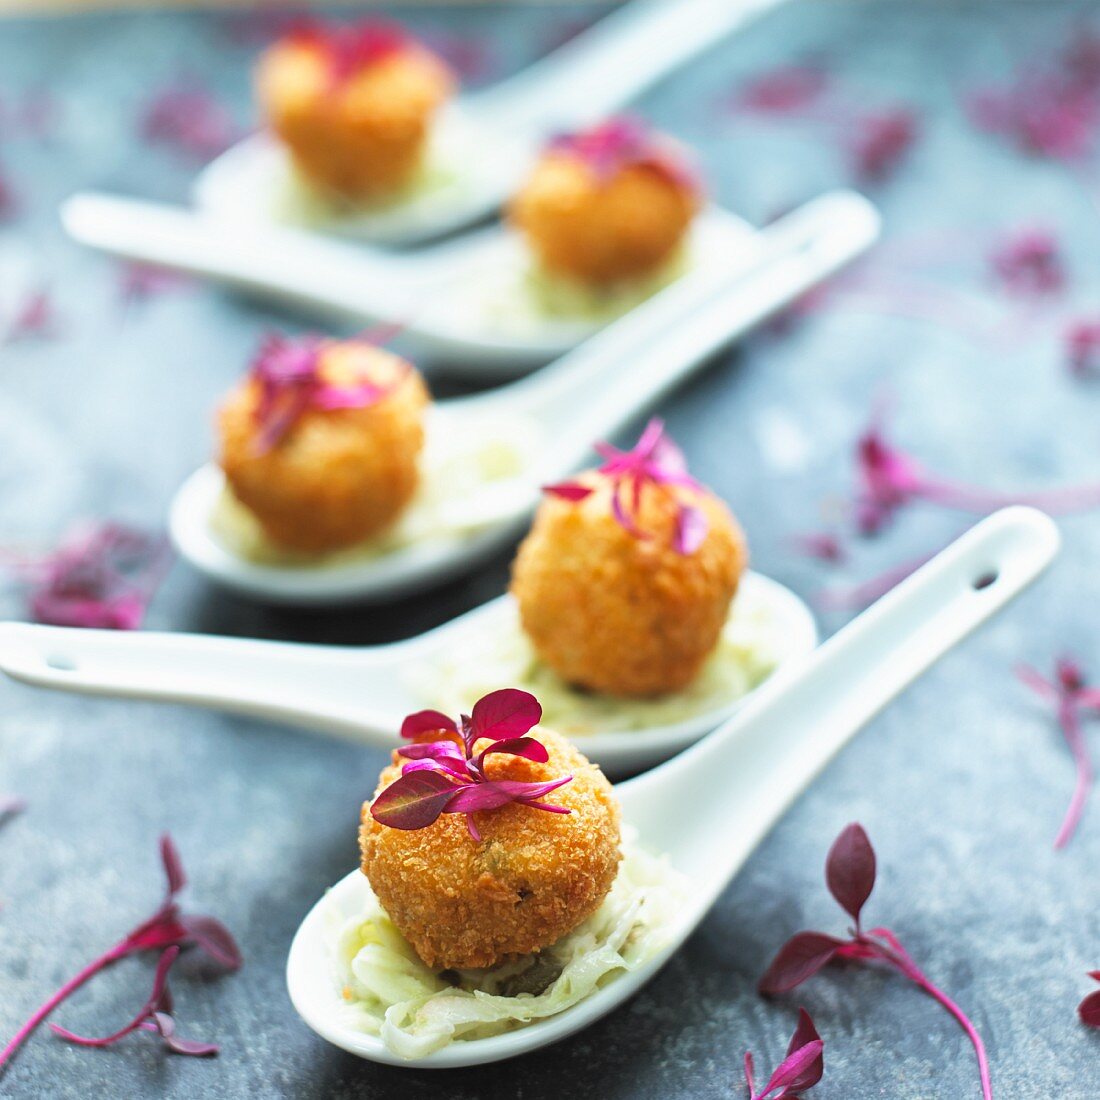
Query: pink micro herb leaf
x: 168, y: 931
x: 655, y: 462
x: 624, y: 142
x: 349, y: 49
x: 802, y: 1068
x: 1069, y: 695
x: 881, y: 141
x: 850, y: 873
x: 1089, y: 1009
x: 288, y: 374
x: 448, y: 775
x: 784, y: 90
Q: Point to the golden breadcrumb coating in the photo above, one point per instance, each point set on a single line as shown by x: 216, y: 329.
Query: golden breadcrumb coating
x: 618, y: 614
x: 532, y: 879
x: 338, y: 476
x: 601, y: 231
x: 361, y: 138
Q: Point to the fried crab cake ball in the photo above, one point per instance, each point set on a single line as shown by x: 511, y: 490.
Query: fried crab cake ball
x: 613, y: 612
x: 532, y: 878
x: 354, y: 106
x: 321, y: 443
x: 605, y: 206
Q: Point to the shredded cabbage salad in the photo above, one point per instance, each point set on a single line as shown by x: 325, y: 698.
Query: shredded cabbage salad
x: 390, y: 993
x: 455, y: 469
x: 751, y: 645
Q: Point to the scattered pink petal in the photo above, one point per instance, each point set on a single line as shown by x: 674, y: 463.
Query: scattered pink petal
x: 138, y: 282
x: 1082, y: 344
x: 189, y: 119
x: 101, y: 575
x: 821, y: 545
x: 35, y: 319
x: 881, y: 141
x: 1089, y: 1009
x: 1029, y: 263
x: 784, y: 90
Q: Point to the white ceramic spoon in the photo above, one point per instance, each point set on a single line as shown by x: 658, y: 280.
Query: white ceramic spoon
x: 360, y: 693
x: 559, y: 412
x: 468, y: 303
x: 709, y: 807
x: 486, y: 142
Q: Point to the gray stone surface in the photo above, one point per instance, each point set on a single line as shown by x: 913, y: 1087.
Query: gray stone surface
x: 961, y: 783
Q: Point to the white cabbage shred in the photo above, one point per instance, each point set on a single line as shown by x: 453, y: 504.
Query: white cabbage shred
x: 390, y: 993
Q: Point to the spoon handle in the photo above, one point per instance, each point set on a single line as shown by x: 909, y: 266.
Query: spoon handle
x: 712, y: 805
x: 357, y: 693
x: 299, y: 268
x: 590, y: 392
x: 603, y: 68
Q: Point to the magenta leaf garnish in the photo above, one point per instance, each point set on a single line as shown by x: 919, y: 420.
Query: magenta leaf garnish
x: 802, y: 1068
x: 1029, y: 263
x: 624, y: 142
x: 655, y: 462
x: 1089, y: 1008
x: 186, y: 117
x: 351, y: 48
x: 448, y: 776
x: 889, y: 479
x: 101, y: 575
x: 168, y: 931
x: 1070, y: 696
x: 1082, y: 344
x: 850, y: 874
x: 881, y: 141
x: 291, y: 380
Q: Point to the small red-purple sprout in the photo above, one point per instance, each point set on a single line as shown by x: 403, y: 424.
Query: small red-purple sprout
x: 1070, y: 696
x: 101, y: 575
x: 888, y: 479
x: 800, y: 1070
x: 186, y: 117
x: 881, y: 141
x: 449, y: 776
x: 291, y: 381
x: 821, y: 545
x: 1089, y: 1009
x: 1029, y: 263
x: 349, y: 49
x: 624, y: 142
x: 850, y: 876
x: 786, y: 89
x: 655, y: 462
x: 168, y: 931
x: 1082, y: 344
x: 154, y: 1015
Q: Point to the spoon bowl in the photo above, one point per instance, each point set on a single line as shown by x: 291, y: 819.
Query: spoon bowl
x: 586, y: 395
x: 710, y: 806
x: 362, y: 693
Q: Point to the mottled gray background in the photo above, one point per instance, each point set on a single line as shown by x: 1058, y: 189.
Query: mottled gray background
x: 961, y: 784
